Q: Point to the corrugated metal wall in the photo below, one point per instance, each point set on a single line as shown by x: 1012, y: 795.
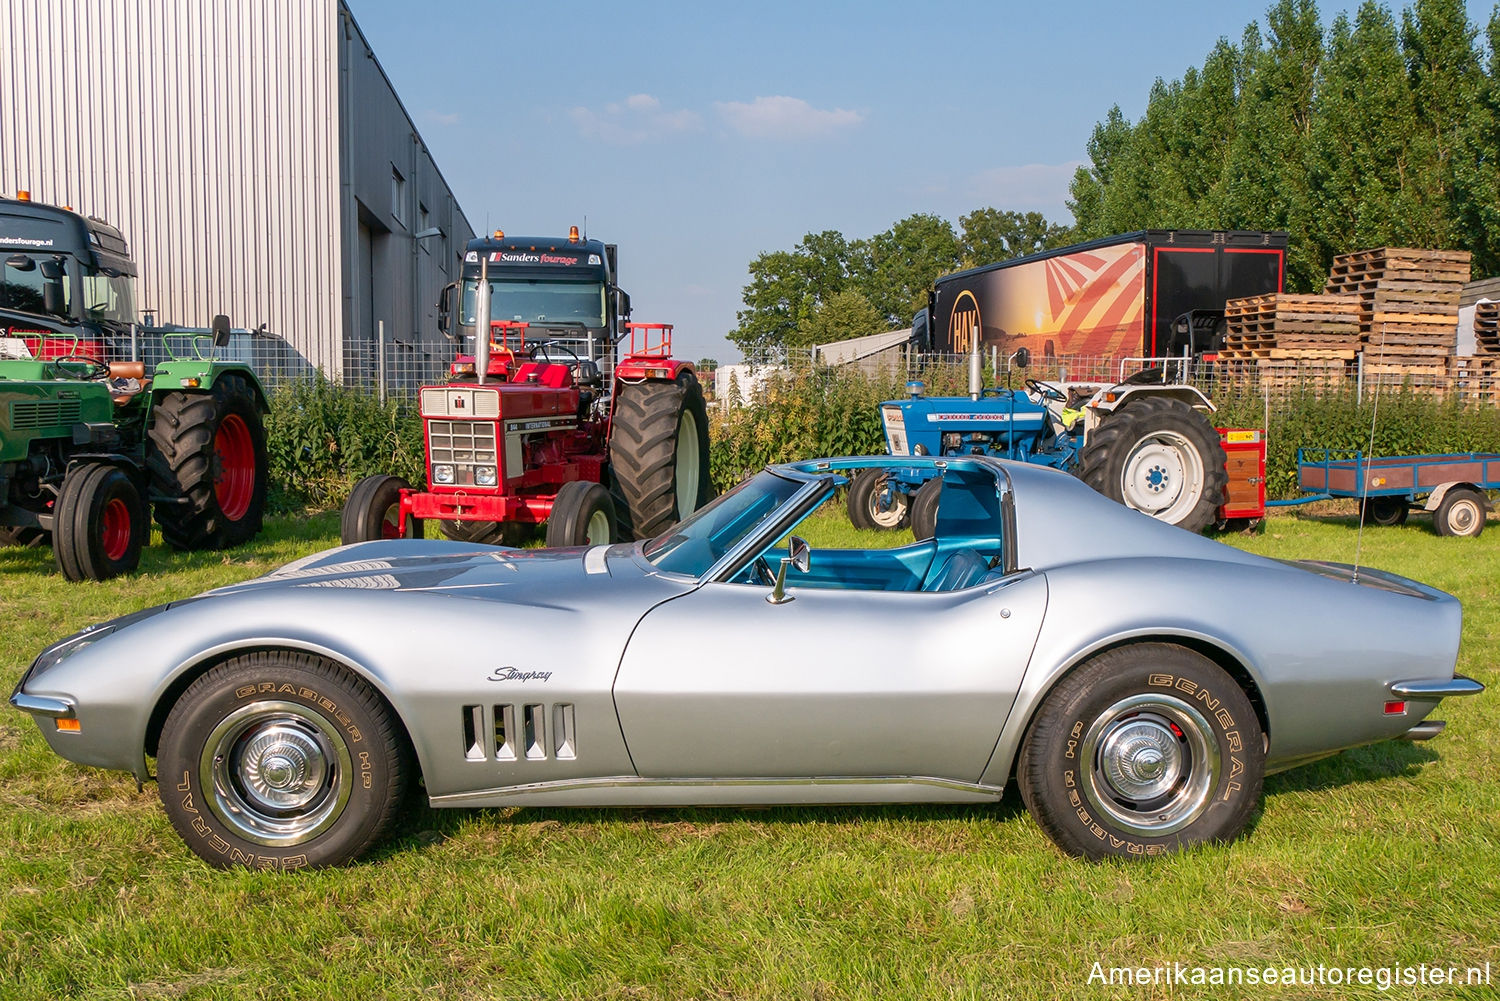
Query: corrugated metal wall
x: 207, y: 130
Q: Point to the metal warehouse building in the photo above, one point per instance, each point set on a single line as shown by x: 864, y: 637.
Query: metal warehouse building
x: 254, y: 154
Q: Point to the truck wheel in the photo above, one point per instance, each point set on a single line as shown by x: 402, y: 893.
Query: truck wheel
x: 924, y: 508
x: 1160, y: 457
x: 658, y: 455
x: 373, y: 511
x: 582, y: 515
x: 1384, y: 510
x: 1143, y: 750
x: 99, y: 523
x: 281, y: 760
x: 872, y: 506
x: 1461, y: 513
x: 208, y: 457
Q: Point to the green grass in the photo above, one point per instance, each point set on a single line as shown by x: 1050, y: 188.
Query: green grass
x: 1381, y: 855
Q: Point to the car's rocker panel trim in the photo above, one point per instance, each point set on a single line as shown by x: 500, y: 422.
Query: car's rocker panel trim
x: 630, y: 790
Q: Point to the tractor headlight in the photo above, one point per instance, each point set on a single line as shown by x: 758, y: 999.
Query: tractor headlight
x: 484, y: 476
x: 442, y: 474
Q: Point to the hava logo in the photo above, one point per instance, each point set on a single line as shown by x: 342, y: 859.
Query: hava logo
x: 963, y: 320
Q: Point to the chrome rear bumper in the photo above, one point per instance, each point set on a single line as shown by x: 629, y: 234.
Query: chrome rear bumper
x: 1436, y: 688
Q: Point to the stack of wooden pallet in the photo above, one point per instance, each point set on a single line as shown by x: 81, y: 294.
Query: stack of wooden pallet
x: 1487, y: 327
x: 1292, y: 341
x: 1408, y: 306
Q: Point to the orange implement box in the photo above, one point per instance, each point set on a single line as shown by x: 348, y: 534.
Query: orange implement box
x: 1245, y: 496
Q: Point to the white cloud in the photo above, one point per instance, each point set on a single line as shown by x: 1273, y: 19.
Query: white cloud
x: 634, y: 120
x: 1031, y: 186
x: 785, y: 118
x: 444, y: 117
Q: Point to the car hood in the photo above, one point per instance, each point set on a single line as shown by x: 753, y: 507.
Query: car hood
x: 458, y: 569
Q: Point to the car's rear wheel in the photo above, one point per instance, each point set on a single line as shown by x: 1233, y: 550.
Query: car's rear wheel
x: 281, y: 760
x: 1142, y: 750
x: 876, y: 503
x: 1461, y: 513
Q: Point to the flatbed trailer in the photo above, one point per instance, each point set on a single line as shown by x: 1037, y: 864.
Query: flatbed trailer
x: 1452, y: 486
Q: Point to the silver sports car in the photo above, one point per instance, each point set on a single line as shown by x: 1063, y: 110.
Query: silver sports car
x: 1135, y: 680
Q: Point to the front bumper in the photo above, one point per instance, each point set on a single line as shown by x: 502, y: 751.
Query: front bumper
x: 43, y: 705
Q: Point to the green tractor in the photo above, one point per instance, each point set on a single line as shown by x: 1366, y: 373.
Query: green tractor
x: 89, y: 446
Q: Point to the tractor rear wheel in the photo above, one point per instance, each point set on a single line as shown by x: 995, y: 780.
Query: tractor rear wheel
x: 1161, y: 457
x: 583, y: 514
x: 100, y: 523
x: 658, y: 455
x: 208, y: 457
x: 873, y: 506
x: 373, y: 511
x: 924, y: 508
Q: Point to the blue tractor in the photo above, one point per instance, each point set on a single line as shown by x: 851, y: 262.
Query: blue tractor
x: 1146, y: 444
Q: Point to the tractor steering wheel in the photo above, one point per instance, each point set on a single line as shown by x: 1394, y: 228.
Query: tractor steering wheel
x: 1046, y: 392
x: 93, y: 368
x: 541, y: 351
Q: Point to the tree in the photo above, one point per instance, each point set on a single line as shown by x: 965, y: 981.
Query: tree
x: 990, y: 235
x: 785, y: 289
x: 1107, y: 146
x: 707, y: 364
x: 845, y: 315
x: 904, y: 261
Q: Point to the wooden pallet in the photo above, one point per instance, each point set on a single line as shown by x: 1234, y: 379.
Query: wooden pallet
x: 1408, y: 304
x: 1487, y: 328
x: 1260, y: 323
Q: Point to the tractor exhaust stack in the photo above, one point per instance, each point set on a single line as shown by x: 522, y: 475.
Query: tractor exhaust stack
x: 482, y: 319
x: 976, y: 367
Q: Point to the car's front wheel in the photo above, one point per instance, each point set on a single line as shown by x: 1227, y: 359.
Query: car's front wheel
x: 281, y: 760
x: 1142, y: 750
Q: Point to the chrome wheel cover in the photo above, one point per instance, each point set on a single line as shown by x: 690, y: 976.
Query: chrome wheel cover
x: 1163, y: 476
x: 1463, y: 516
x: 276, y: 773
x: 1150, y: 764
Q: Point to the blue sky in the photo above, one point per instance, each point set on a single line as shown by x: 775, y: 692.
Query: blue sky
x: 697, y: 135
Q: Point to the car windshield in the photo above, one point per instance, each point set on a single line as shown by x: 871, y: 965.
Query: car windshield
x: 108, y: 297
x: 692, y: 546
x: 539, y: 300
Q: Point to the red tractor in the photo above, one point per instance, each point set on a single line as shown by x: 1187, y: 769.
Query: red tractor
x: 528, y: 431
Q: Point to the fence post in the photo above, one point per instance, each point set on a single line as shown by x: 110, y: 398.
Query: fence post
x: 380, y: 359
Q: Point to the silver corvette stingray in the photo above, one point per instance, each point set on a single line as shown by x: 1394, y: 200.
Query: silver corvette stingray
x: 1137, y: 681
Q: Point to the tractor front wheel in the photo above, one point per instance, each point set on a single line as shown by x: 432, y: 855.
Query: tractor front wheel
x: 1161, y: 457
x: 373, y: 512
x: 583, y: 514
x: 99, y: 524
x: 658, y: 455
x: 924, y: 509
x: 875, y: 502
x: 207, y: 458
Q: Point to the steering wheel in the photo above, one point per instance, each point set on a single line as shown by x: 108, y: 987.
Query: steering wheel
x: 542, y: 351
x: 1046, y: 392
x: 93, y: 367
x: 763, y: 571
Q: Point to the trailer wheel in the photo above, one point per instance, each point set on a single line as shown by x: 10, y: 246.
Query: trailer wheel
x: 583, y: 514
x: 658, y: 455
x: 1124, y: 759
x: 1384, y: 510
x: 100, y: 524
x: 1461, y: 513
x: 281, y: 760
x: 373, y: 512
x: 1161, y: 457
x: 208, y: 457
x: 924, y: 508
x: 872, y: 506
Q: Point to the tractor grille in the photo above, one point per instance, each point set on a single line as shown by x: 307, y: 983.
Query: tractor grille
x: 466, y: 442
x: 450, y: 402
x: 30, y: 415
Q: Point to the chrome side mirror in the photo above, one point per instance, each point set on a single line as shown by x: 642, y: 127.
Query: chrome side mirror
x: 799, y: 555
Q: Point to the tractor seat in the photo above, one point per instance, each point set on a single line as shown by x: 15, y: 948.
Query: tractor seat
x: 126, y: 380
x: 587, y: 374
x: 965, y: 568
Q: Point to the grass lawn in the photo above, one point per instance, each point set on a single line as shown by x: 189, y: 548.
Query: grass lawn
x: 1380, y: 856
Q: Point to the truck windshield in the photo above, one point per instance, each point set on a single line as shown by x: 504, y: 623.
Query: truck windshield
x: 539, y: 300
x: 107, y: 297
x: 23, y: 278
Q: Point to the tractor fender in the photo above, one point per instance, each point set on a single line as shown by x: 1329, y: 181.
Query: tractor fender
x: 636, y: 368
x: 1115, y: 397
x: 1435, y: 499
x: 195, y: 375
